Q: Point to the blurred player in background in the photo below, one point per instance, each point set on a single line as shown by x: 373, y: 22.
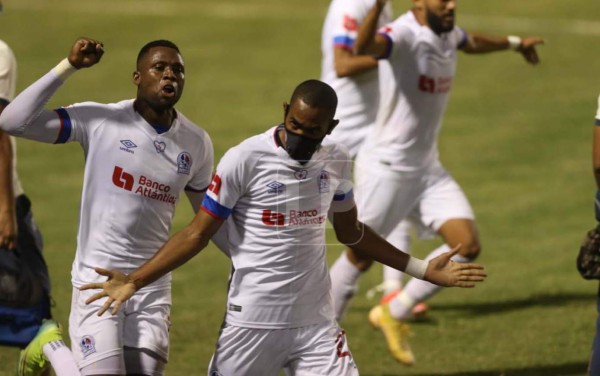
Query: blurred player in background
x: 594, y: 365
x: 398, y: 171
x: 355, y: 79
x: 140, y: 155
x: 275, y: 191
x: 20, y: 239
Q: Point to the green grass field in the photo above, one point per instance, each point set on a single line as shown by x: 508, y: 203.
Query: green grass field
x: 517, y: 139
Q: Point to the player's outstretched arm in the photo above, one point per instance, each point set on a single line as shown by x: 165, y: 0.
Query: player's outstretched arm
x: 440, y: 271
x: 478, y: 43
x: 177, y: 251
x: 26, y: 117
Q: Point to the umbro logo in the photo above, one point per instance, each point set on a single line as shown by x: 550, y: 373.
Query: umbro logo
x: 128, y: 145
x: 275, y: 187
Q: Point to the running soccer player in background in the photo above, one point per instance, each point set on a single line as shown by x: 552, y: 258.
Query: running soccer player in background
x: 275, y: 191
x: 398, y: 173
x: 140, y: 155
x: 355, y: 79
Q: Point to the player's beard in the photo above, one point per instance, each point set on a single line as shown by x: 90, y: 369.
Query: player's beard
x: 437, y: 24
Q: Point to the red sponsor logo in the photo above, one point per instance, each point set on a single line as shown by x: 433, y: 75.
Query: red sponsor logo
x: 122, y: 179
x: 145, y: 187
x: 270, y: 218
x: 435, y: 85
x: 296, y: 218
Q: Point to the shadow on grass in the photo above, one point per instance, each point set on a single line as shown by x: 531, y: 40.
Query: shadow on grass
x: 568, y: 369
x: 536, y: 300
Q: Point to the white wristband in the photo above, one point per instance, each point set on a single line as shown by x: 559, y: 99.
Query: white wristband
x: 64, y: 69
x: 416, y: 267
x: 598, y: 110
x: 514, y: 42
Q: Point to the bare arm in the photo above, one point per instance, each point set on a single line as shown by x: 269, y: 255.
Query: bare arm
x: 368, y: 42
x: 441, y: 270
x: 195, y: 199
x: 478, y: 43
x: 347, y: 64
x: 8, y: 218
x: 177, y: 251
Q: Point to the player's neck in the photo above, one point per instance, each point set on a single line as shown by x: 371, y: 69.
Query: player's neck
x: 420, y: 16
x: 155, y: 117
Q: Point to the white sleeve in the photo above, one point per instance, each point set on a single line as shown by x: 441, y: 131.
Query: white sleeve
x: 203, y: 175
x: 8, y: 73
x: 227, y: 186
x: 25, y: 115
x: 343, y: 199
x: 397, y: 34
x: 345, y: 25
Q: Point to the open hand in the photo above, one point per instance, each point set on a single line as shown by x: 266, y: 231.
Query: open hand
x: 527, y: 49
x: 444, y: 272
x: 118, y: 288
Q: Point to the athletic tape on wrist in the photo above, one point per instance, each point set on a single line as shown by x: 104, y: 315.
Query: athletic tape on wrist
x: 598, y: 111
x: 514, y: 42
x: 416, y: 267
x: 64, y: 69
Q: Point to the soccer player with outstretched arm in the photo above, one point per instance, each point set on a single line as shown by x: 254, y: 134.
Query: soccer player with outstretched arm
x: 274, y: 192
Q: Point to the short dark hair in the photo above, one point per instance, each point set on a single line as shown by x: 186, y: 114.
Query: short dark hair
x: 316, y: 93
x: 156, y: 43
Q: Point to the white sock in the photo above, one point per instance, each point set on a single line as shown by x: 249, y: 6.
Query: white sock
x: 417, y: 290
x: 344, y: 283
x: 61, y: 358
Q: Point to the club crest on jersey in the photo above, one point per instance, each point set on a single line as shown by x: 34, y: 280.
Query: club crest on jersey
x: 160, y: 146
x: 324, y: 182
x: 184, y: 163
x: 88, y: 345
x: 276, y: 187
x: 300, y: 174
x: 128, y: 145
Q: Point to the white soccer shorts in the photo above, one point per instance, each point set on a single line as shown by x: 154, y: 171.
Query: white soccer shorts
x: 141, y: 323
x: 385, y: 197
x: 316, y: 350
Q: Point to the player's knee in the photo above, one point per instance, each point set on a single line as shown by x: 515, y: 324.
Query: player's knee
x: 470, y: 249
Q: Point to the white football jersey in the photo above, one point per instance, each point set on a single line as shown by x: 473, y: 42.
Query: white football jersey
x: 277, y: 211
x: 132, y: 181
x: 8, y: 82
x: 358, y: 96
x: 415, y: 83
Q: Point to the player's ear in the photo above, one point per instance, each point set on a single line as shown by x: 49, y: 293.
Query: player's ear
x: 332, y: 125
x: 286, y: 110
x: 136, y: 78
